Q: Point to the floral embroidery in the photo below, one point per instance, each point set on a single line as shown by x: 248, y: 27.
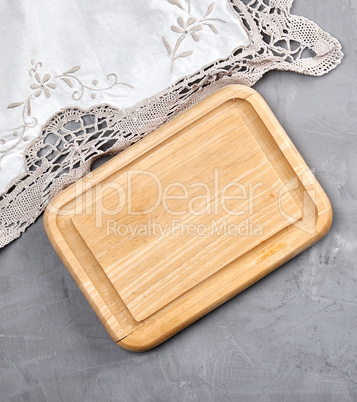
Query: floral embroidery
x: 42, y: 86
x: 190, y: 26
x: 70, y: 79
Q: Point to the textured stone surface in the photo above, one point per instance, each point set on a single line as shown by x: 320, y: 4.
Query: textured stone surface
x: 291, y: 337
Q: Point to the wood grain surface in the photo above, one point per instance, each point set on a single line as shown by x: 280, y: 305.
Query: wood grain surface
x: 226, y: 163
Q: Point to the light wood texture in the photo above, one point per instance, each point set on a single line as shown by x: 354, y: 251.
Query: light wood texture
x: 239, y: 169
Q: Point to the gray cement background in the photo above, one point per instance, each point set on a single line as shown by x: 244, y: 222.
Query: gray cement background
x: 291, y: 337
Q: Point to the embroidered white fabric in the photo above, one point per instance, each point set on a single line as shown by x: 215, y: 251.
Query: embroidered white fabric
x: 125, y: 53
x: 116, y: 51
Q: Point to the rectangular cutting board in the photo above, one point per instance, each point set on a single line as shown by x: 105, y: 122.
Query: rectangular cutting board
x: 187, y: 218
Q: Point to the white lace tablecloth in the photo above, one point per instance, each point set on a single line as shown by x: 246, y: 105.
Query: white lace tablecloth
x: 82, y: 78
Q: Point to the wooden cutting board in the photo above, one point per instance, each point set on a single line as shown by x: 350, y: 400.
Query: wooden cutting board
x: 187, y: 218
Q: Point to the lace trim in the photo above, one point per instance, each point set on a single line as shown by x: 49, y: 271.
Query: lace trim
x: 73, y: 138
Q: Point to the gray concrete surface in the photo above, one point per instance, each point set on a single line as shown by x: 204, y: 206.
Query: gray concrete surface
x: 291, y: 337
